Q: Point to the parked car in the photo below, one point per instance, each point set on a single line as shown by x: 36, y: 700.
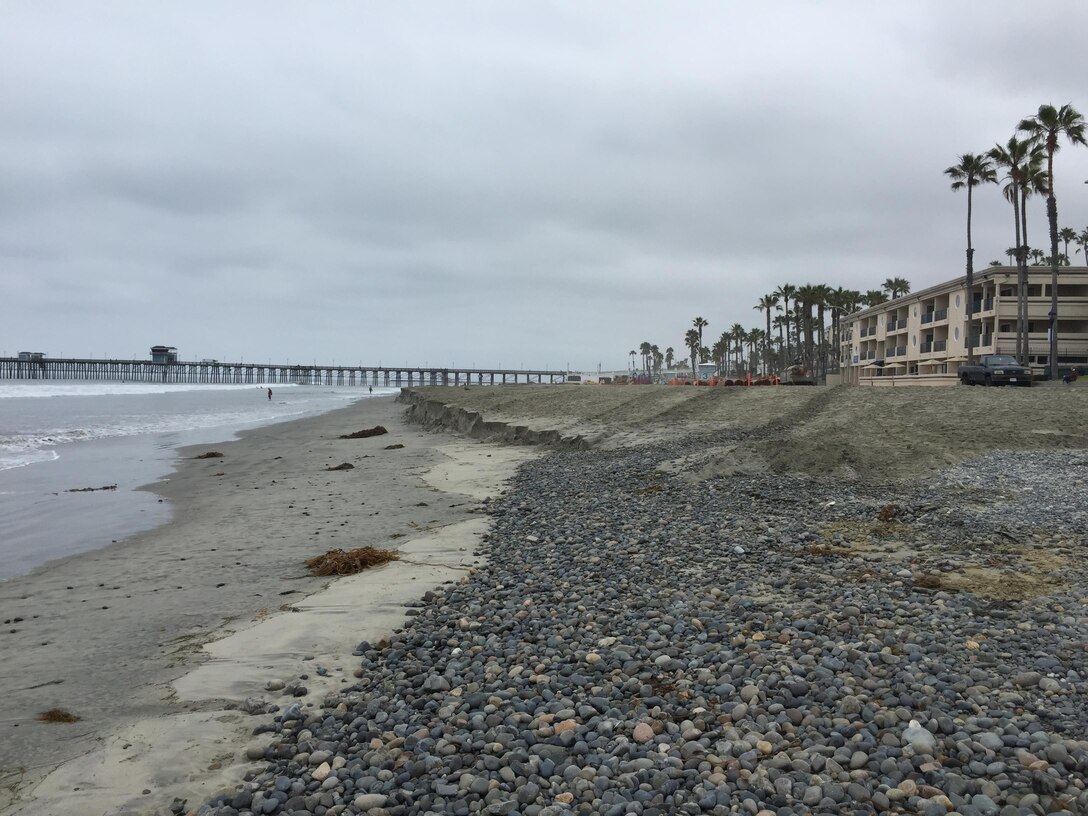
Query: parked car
x: 995, y: 369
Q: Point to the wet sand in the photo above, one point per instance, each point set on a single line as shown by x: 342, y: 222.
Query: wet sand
x: 152, y: 642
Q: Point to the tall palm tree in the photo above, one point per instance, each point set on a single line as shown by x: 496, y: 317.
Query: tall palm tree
x: 656, y: 357
x: 896, y: 287
x: 737, y: 334
x: 720, y: 352
x: 1022, y: 160
x: 755, y: 337
x: 1082, y: 239
x: 808, y: 295
x: 765, y: 304
x: 971, y: 171
x: 841, y: 302
x: 717, y: 353
x: 1046, y: 126
x: 1067, y: 234
x: 786, y: 291
x: 874, y: 297
x: 669, y: 354
x: 823, y: 296
x: 699, y: 324
x: 644, y: 348
x: 782, y: 323
x: 632, y: 352
x: 691, y: 340
x: 1012, y: 156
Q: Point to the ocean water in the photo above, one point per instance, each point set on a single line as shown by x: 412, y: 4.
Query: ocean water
x: 60, y: 436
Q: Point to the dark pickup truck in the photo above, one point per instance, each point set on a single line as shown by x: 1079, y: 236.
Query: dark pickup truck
x: 995, y: 369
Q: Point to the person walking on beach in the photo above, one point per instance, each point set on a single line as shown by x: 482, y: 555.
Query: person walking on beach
x: 269, y: 394
x: 372, y: 389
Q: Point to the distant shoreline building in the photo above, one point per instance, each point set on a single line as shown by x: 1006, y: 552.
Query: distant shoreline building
x: 164, y: 354
x: 921, y: 338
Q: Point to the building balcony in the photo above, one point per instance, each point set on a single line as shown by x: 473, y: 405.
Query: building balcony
x: 982, y: 341
x: 980, y: 306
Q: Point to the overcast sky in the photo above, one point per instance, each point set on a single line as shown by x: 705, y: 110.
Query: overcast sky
x: 528, y: 183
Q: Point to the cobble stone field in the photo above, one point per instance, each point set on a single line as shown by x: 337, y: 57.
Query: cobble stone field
x: 640, y: 642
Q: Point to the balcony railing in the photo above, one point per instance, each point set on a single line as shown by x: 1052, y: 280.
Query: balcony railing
x: 940, y: 345
x: 986, y: 340
x: 940, y: 314
x: 982, y: 305
x: 927, y: 318
x: 925, y: 348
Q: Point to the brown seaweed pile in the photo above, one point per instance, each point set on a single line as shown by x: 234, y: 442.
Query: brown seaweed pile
x: 377, y: 430
x: 349, y: 562
x: 58, y: 715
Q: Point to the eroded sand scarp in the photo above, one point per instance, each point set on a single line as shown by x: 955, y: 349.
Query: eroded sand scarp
x: 868, y: 433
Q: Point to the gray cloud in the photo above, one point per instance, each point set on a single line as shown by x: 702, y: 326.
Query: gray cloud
x: 484, y: 182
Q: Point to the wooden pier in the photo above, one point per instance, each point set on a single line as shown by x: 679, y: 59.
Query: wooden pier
x: 145, y: 371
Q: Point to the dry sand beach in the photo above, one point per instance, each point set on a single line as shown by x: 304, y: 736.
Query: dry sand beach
x: 699, y: 601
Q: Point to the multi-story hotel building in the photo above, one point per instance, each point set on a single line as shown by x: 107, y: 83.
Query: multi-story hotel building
x: 921, y: 338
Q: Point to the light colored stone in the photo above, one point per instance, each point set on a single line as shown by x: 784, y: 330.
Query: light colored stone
x: 565, y: 726
x: 643, y: 733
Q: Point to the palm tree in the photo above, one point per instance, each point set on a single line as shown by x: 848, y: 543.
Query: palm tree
x: 874, y: 297
x: 1082, y: 239
x: 765, y: 304
x: 972, y: 171
x: 691, y: 340
x: 786, y: 291
x: 896, y: 287
x: 1038, y: 256
x: 656, y: 357
x: 841, y: 301
x: 824, y: 294
x: 1016, y: 157
x: 1046, y: 126
x: 809, y: 295
x: 725, y: 342
x: 669, y: 353
x: 782, y: 323
x: 755, y: 337
x: 738, y: 335
x: 1067, y: 234
x: 632, y: 352
x: 699, y: 324
x: 717, y: 352
x: 644, y: 348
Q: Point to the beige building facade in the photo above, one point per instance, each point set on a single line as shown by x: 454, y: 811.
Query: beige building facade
x: 921, y: 338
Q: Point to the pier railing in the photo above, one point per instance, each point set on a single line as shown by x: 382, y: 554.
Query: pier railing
x: 145, y: 371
